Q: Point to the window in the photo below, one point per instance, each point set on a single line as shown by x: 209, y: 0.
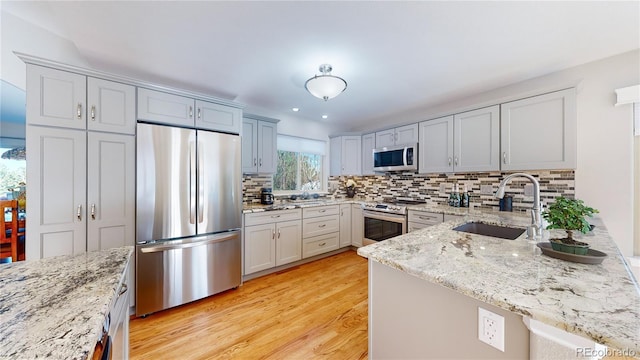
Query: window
x: 300, y: 164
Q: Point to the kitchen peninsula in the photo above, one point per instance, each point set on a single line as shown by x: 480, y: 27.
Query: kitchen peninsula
x: 55, y: 307
x: 422, y: 281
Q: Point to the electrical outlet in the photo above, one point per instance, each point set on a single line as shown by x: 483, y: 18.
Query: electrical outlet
x: 491, y: 328
x: 486, y: 189
x: 528, y: 190
x: 443, y: 188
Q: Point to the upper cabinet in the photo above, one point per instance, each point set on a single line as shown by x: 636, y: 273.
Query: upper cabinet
x: 407, y: 134
x: 69, y: 100
x: 160, y: 107
x: 539, y: 132
x: 346, y: 155
x: 461, y: 143
x: 259, y: 146
x: 368, y: 144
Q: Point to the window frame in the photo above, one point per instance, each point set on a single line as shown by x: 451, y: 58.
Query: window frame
x: 323, y: 171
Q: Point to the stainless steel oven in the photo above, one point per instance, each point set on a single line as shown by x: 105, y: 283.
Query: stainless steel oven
x: 380, y: 225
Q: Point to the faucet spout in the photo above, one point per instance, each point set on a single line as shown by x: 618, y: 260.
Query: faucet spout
x: 536, y: 210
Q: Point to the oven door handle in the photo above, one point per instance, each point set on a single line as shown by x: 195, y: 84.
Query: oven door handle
x: 384, y: 216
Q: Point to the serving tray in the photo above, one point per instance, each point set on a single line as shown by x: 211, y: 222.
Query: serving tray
x: 592, y: 257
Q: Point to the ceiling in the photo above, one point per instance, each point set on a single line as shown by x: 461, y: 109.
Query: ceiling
x: 396, y: 56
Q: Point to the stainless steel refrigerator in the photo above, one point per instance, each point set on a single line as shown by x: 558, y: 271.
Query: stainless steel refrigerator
x: 189, y: 209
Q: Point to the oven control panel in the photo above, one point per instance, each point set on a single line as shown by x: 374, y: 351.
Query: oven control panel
x: 388, y: 208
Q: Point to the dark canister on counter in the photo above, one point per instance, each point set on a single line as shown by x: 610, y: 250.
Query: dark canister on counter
x: 266, y: 196
x: 506, y: 203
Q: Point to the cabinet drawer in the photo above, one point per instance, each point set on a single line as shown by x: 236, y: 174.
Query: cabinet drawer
x: 320, y: 225
x: 269, y: 217
x: 320, y: 244
x: 413, y: 226
x: 448, y: 217
x: 425, y: 217
x: 320, y: 211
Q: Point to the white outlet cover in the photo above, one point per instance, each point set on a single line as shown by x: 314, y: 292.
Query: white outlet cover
x: 528, y: 190
x: 443, y: 188
x: 491, y: 328
x: 486, y: 189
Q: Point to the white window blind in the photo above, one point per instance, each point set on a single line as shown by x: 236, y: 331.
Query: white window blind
x: 301, y: 145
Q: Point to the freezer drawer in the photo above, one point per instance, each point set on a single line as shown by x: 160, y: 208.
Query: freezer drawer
x: 176, y: 272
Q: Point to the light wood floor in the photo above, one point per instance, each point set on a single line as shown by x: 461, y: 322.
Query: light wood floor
x: 314, y: 311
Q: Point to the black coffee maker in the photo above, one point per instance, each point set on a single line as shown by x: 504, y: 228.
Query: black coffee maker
x: 266, y: 196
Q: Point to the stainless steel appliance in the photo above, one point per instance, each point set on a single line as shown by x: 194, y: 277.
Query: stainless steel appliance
x: 385, y: 220
x: 396, y: 158
x: 189, y: 209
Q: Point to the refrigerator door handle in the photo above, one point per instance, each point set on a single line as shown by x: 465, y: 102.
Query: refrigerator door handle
x: 200, y: 183
x: 192, y: 183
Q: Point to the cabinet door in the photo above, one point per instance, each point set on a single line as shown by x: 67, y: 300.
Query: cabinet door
x: 357, y: 225
x: 345, y: 225
x: 159, y: 107
x: 218, y: 117
x: 477, y: 140
x: 288, y: 242
x: 259, y: 248
x: 385, y: 138
x: 539, y: 132
x: 110, y: 190
x: 56, y: 174
x: 407, y: 134
x: 436, y: 146
x: 111, y: 106
x: 335, y: 157
x: 56, y: 98
x: 351, y: 155
x: 267, y: 147
x: 368, y: 144
x: 249, y: 146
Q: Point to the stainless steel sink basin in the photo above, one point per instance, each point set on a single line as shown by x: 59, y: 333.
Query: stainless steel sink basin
x: 502, y: 232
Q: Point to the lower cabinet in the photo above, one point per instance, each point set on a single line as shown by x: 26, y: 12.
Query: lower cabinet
x: 418, y: 219
x: 319, y: 244
x: 345, y: 225
x: 320, y: 230
x: 272, y: 239
x: 119, y: 324
x: 357, y: 225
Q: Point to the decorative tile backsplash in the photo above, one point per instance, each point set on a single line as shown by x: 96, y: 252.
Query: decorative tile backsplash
x: 435, y: 188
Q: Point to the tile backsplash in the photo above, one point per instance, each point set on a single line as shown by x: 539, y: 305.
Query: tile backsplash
x: 428, y: 187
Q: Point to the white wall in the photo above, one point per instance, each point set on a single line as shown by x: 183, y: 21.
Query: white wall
x: 605, y: 172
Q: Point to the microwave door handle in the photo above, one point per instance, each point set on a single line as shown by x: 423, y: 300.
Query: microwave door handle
x: 404, y: 155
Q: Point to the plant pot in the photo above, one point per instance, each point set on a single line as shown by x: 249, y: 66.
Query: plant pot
x: 578, y: 248
x: 351, y: 192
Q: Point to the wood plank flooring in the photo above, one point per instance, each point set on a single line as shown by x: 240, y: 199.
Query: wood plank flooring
x: 313, y: 311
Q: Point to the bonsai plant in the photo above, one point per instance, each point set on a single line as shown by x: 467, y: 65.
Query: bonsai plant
x: 569, y: 215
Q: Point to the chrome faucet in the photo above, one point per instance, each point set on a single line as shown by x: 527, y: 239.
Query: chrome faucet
x: 535, y: 230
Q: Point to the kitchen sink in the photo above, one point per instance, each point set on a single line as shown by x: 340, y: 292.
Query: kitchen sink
x: 502, y: 232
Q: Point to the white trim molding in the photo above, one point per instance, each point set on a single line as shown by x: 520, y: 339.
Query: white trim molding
x: 628, y: 95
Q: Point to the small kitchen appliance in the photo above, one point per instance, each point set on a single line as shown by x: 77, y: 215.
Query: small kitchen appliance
x: 266, y: 196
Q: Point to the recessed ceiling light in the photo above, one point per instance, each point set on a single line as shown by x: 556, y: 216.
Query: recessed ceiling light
x: 325, y: 116
x: 295, y: 109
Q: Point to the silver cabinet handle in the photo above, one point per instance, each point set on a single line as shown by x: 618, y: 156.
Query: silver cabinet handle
x: 323, y: 210
x: 123, y: 289
x: 199, y: 113
x: 275, y: 216
x: 426, y: 218
x: 278, y: 233
x: 93, y: 211
x: 79, y: 111
x: 93, y: 113
x: 322, y: 244
x: 255, y: 162
x: 449, y: 160
x: 504, y: 157
x: 260, y: 162
x: 455, y: 161
x: 322, y: 225
x: 79, y: 214
x: 273, y: 234
x: 190, y: 112
x: 395, y: 136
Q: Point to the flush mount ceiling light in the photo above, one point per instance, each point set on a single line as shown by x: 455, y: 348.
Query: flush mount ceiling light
x: 325, y: 86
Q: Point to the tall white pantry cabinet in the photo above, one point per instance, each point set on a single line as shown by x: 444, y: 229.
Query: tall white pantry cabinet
x: 81, y: 163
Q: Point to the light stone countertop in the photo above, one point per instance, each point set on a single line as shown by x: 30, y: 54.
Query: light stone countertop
x: 598, y: 302
x: 55, y: 307
x: 298, y: 204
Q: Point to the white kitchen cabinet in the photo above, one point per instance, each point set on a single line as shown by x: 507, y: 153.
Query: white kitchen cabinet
x: 465, y: 142
x: 345, y: 225
x: 217, y: 117
x: 320, y: 230
x: 272, y: 239
x: 69, y: 100
x: 357, y: 225
x: 346, y: 155
x: 402, y: 135
x: 320, y: 244
x: 259, y: 146
x: 165, y: 108
x: 119, y: 319
x: 539, y: 132
x: 417, y: 219
x: 368, y: 144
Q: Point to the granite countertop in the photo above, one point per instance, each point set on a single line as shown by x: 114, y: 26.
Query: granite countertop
x: 55, y: 307
x: 598, y: 302
x: 257, y: 207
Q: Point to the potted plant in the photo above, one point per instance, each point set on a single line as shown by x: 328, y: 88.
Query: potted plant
x: 351, y: 188
x: 569, y: 215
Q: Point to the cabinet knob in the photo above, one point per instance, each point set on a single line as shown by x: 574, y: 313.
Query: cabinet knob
x: 260, y: 162
x: 255, y: 162
x: 278, y: 233
x: 322, y: 244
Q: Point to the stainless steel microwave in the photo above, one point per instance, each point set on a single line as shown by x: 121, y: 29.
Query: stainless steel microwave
x: 396, y: 158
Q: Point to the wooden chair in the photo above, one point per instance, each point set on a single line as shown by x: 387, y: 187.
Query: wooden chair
x: 9, y: 230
